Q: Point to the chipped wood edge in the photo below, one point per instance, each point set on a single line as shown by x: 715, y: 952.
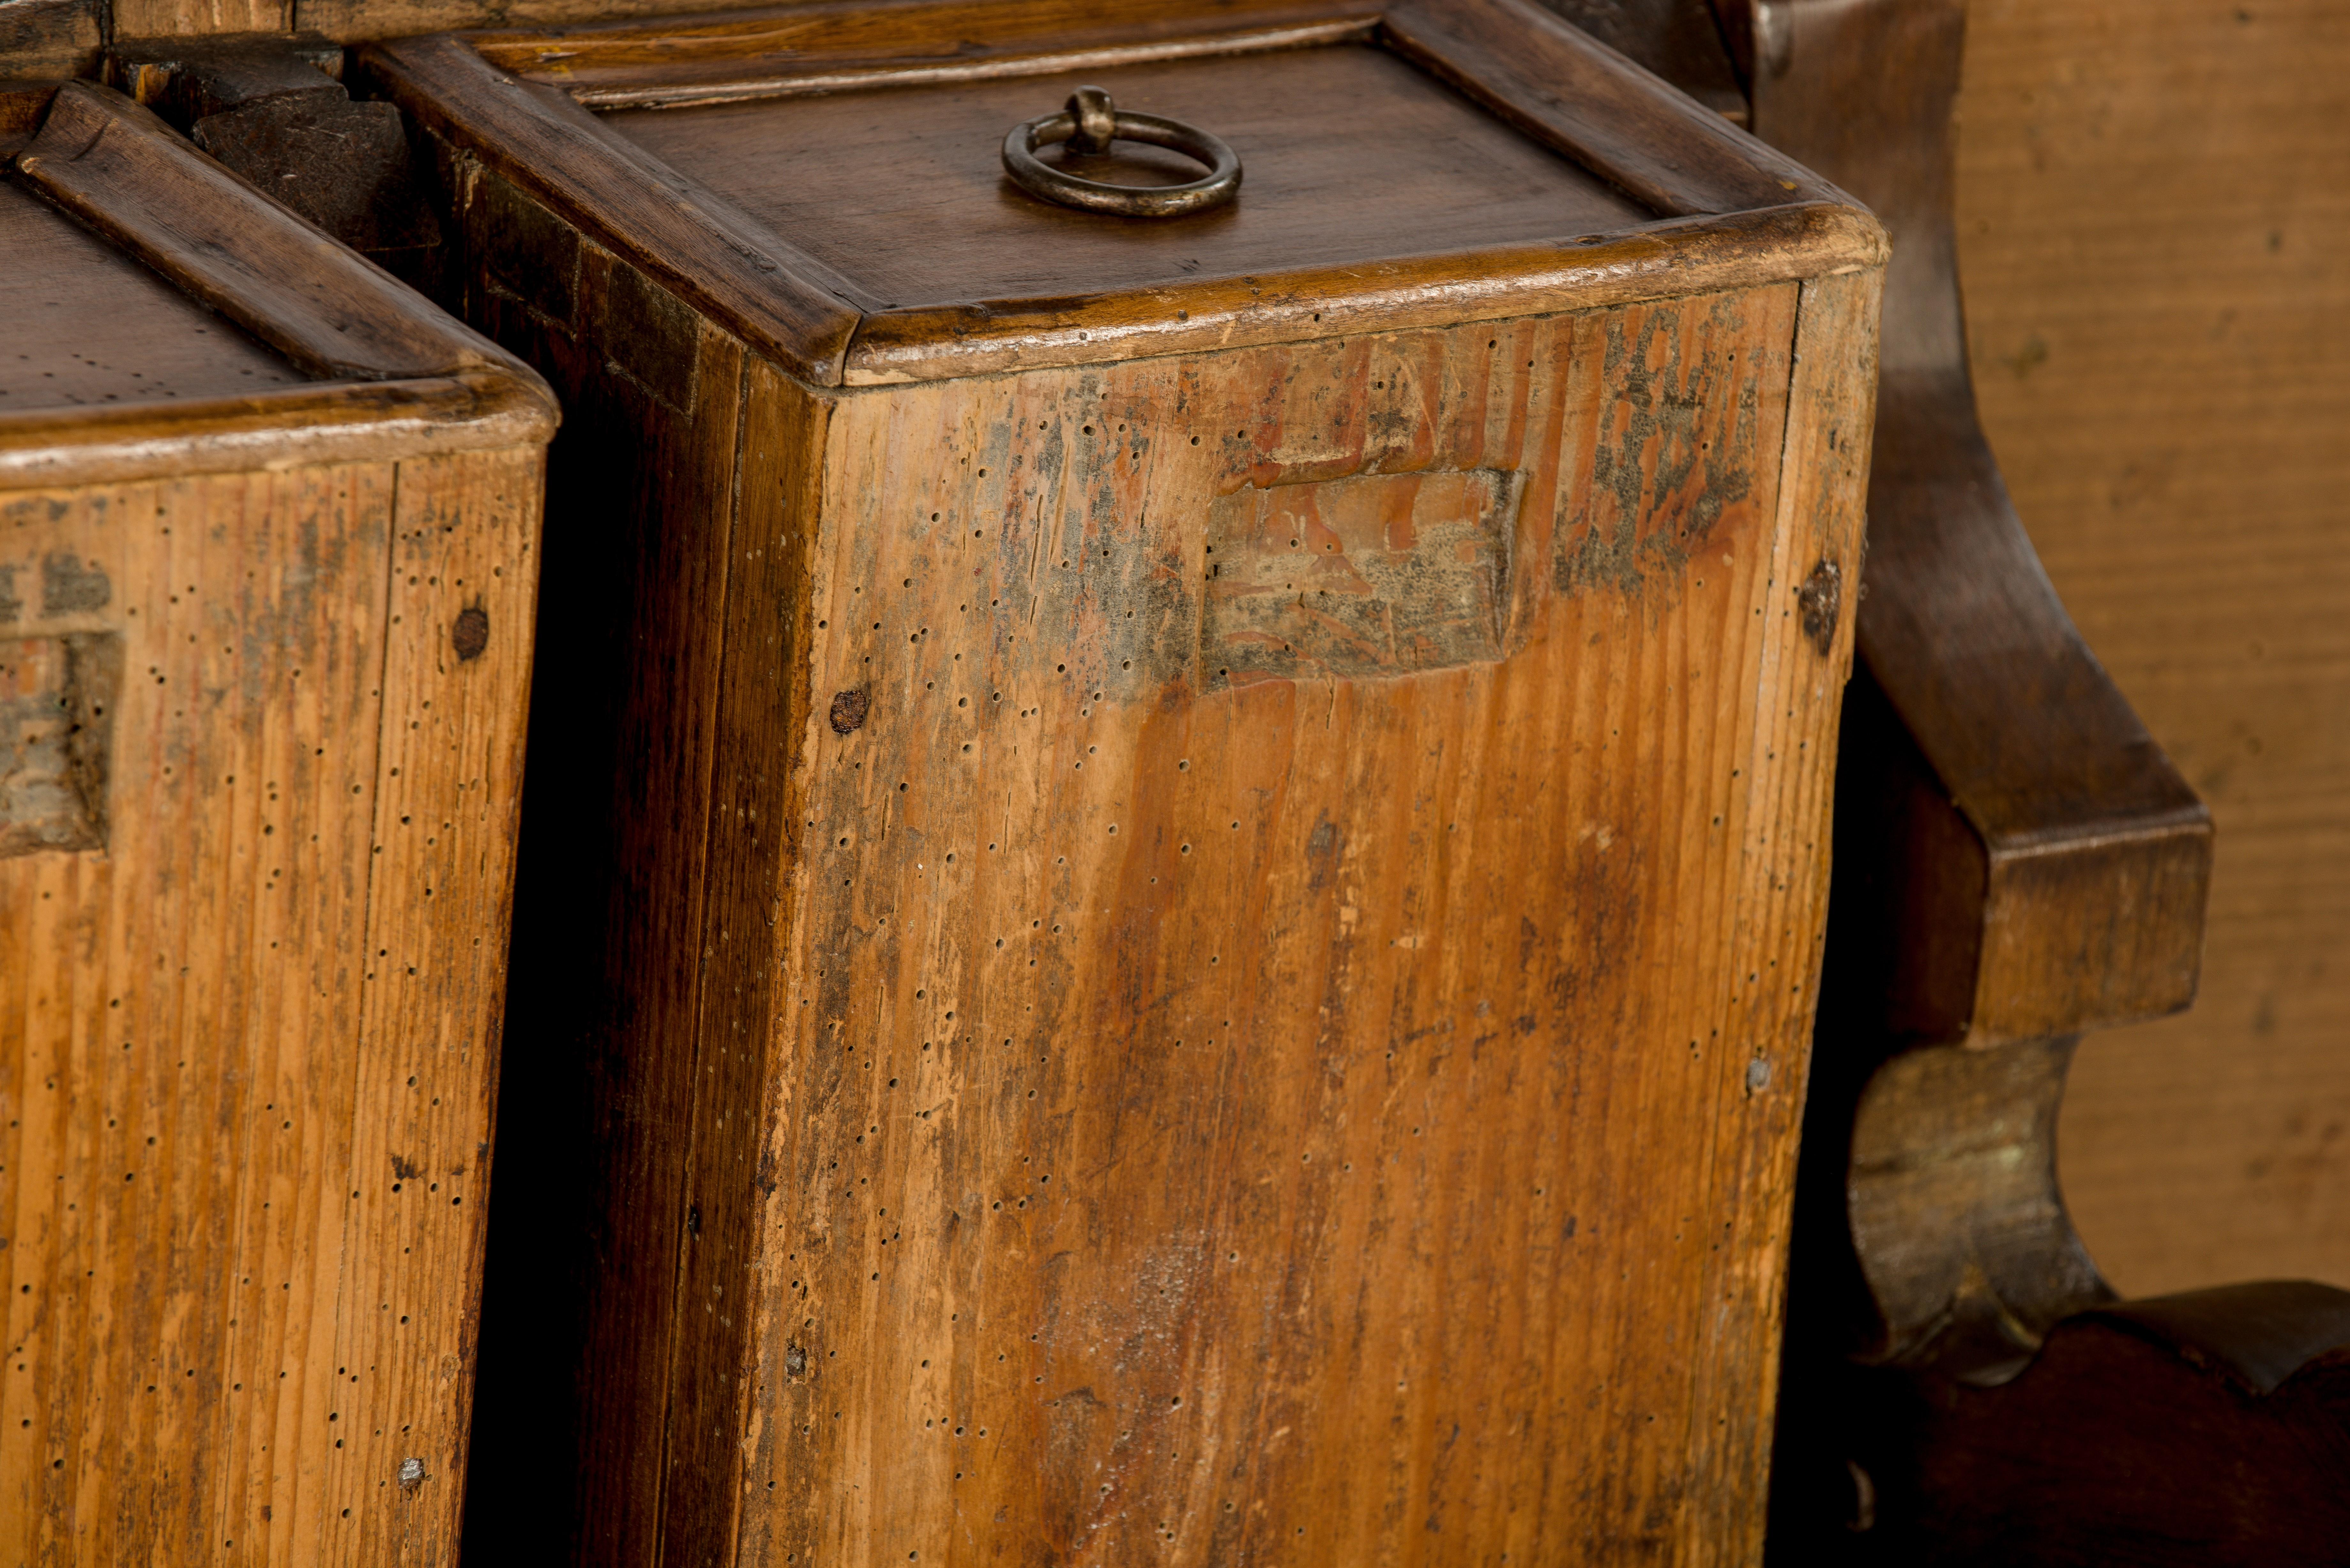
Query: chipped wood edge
x: 372, y: 421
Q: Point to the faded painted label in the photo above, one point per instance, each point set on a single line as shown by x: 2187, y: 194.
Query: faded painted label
x: 1374, y: 575
x: 56, y: 702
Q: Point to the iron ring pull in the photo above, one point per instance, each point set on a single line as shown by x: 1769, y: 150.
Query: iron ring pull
x: 1089, y: 124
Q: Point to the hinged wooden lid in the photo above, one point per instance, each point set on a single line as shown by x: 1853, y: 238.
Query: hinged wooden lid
x: 827, y: 180
x: 173, y: 319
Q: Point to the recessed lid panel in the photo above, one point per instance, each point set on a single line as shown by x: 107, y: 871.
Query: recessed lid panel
x: 825, y: 180
x: 1349, y: 155
x: 89, y: 326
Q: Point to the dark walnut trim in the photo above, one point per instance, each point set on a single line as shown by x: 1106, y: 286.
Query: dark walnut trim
x: 1736, y: 213
x: 2084, y: 856
x: 2209, y: 1429
x: 121, y: 171
x: 1570, y: 92
x: 785, y: 304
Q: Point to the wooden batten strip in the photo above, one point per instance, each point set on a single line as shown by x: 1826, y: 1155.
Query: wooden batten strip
x: 704, y: 87
x: 123, y: 172
x: 1691, y: 257
x: 369, y: 422
x: 833, y: 38
x: 786, y: 304
x: 1573, y: 93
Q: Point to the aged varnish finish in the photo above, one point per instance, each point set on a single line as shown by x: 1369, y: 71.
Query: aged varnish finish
x: 1179, y: 862
x: 268, y: 544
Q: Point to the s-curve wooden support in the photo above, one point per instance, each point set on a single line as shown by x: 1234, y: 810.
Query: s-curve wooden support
x: 2017, y: 863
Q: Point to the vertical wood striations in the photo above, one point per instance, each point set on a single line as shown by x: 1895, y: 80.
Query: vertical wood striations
x: 1217, y: 1117
x: 592, y: 1226
x: 219, y: 1341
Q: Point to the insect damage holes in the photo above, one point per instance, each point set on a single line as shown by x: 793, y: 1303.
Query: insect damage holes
x: 849, y: 710
x: 57, y: 721
x: 1374, y: 575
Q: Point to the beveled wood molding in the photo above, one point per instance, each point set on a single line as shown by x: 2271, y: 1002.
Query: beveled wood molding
x: 813, y: 49
x: 787, y: 306
x: 120, y: 172
x: 1554, y: 82
x: 1733, y: 211
x: 1698, y: 254
x: 299, y: 426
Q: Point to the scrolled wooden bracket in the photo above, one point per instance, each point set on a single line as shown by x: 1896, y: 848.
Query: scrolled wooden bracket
x: 2017, y: 860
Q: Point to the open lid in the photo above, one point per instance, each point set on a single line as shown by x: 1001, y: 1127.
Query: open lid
x: 831, y: 181
x: 165, y: 317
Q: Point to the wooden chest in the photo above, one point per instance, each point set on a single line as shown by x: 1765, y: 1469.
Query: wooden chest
x: 269, y: 542
x: 1179, y: 860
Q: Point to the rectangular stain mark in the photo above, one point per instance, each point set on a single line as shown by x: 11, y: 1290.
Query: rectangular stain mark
x: 1373, y: 575
x: 57, y: 721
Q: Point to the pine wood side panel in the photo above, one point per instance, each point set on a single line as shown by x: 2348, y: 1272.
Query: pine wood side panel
x: 464, y: 562
x: 1303, y: 1115
x: 592, y: 1224
x: 194, y: 1074
x: 178, y: 1008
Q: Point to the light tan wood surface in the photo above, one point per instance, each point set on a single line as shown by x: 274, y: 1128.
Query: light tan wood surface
x: 260, y: 748
x: 2154, y: 213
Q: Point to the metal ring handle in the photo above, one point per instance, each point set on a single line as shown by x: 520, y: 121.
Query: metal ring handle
x: 1089, y: 124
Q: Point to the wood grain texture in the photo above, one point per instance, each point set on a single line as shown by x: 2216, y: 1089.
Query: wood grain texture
x: 233, y: 1030
x: 1420, y: 1051
x: 719, y: 218
x: 50, y: 37
x: 1250, y: 1174
x: 84, y: 406
x: 581, y: 1297
x: 1554, y: 82
x: 171, y: 346
x: 2082, y: 855
x: 249, y: 999
x: 903, y: 190
x: 719, y: 1162
x: 158, y: 19
x: 799, y: 50
x: 2164, y: 396
x: 692, y: 240
x: 127, y: 174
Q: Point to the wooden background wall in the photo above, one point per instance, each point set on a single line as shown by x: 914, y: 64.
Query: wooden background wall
x: 2155, y: 225
x: 2154, y: 219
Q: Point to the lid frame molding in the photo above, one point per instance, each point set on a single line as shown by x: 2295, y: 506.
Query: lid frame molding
x: 1733, y: 211
x: 393, y: 376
